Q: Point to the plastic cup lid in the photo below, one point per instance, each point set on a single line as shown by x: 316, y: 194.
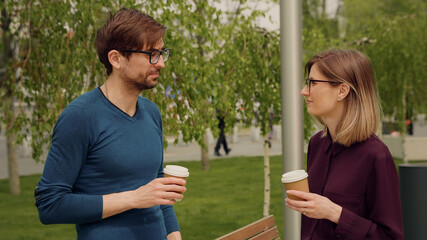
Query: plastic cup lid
x: 294, y: 176
x: 176, y: 170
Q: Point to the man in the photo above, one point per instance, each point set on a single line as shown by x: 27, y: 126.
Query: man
x: 104, y: 170
x: 221, y: 139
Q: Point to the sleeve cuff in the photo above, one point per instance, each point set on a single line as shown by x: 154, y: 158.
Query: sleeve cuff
x: 352, y: 224
x: 171, y: 222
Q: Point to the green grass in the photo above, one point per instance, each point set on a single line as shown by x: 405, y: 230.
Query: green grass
x: 19, y: 218
x: 218, y: 201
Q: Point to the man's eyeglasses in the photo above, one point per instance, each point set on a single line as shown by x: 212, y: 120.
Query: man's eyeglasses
x: 154, y: 55
x: 308, y: 82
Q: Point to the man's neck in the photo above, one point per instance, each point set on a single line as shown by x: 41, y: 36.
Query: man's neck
x: 120, y: 95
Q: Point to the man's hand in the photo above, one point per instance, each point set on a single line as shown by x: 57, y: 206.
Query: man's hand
x: 160, y: 191
x: 174, y: 236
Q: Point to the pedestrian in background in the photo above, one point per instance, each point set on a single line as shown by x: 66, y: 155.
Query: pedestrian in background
x: 221, y: 139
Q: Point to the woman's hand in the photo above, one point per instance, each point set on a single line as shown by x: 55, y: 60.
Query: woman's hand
x: 314, y: 206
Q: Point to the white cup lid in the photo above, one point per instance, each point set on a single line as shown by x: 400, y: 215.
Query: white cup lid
x: 294, y: 176
x: 176, y: 170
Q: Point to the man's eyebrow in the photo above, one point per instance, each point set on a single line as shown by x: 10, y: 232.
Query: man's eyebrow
x: 152, y: 49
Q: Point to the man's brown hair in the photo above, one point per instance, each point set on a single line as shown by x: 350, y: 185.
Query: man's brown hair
x: 127, y: 29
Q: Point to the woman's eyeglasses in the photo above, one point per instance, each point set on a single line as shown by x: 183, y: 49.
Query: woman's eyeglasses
x: 308, y: 82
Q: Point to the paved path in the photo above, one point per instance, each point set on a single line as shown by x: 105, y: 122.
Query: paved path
x: 243, y: 146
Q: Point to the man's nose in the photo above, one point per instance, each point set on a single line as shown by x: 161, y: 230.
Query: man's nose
x: 160, y: 64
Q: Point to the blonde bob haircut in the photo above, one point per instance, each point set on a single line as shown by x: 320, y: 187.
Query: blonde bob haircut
x: 361, y: 116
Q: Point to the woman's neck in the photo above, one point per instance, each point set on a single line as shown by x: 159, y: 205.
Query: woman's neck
x: 331, y: 124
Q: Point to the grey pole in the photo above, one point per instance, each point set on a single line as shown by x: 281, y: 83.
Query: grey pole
x: 292, y: 116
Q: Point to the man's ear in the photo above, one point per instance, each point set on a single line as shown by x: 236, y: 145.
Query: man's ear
x: 114, y: 58
x: 344, y: 90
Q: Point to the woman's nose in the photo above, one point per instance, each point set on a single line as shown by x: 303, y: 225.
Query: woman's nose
x: 305, y: 91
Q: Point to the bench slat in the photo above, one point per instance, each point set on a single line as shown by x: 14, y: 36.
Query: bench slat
x: 251, y: 229
x: 271, y: 233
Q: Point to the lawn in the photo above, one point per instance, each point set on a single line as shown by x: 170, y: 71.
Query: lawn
x: 218, y: 201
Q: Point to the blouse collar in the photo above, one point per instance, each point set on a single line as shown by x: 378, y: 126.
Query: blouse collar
x: 332, y: 146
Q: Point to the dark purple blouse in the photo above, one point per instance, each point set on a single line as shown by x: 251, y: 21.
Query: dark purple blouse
x: 363, y: 180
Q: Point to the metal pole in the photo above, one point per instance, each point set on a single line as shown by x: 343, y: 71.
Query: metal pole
x: 292, y: 116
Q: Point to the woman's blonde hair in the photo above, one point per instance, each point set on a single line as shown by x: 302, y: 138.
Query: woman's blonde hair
x: 361, y: 116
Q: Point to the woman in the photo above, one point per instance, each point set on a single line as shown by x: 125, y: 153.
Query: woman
x: 352, y: 177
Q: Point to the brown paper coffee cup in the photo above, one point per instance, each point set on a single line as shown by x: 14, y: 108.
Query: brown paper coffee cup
x: 296, y: 180
x: 168, y: 175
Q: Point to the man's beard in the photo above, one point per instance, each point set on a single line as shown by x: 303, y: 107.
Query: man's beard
x: 139, y: 83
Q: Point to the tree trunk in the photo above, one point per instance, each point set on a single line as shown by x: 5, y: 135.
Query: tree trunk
x: 9, y: 112
x: 205, y: 153
x: 266, y: 176
x: 15, y: 188
x: 14, y: 184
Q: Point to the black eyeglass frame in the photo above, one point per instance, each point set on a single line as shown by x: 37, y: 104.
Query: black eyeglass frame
x: 156, y: 60
x: 308, y: 82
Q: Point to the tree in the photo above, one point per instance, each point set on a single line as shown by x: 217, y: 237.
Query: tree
x: 392, y: 34
x: 7, y: 79
x: 398, y: 56
x: 201, y: 37
x: 387, y: 31
x: 256, y: 84
x: 54, y: 62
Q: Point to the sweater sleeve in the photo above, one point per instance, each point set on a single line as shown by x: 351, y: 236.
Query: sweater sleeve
x: 55, y: 199
x: 383, y: 200
x: 169, y: 216
x: 171, y: 222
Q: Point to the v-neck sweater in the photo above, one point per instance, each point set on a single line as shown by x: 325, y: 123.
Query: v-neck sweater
x: 98, y: 149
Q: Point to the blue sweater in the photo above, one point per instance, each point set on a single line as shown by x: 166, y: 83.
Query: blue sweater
x: 98, y: 149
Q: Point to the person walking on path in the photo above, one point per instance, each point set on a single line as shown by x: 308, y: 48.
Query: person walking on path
x: 104, y: 170
x: 221, y: 139
x: 354, y: 186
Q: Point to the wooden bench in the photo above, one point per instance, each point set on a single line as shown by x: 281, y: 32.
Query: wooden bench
x: 263, y: 229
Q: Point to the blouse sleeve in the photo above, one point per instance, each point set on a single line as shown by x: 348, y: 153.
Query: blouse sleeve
x: 383, y: 202
x: 55, y: 199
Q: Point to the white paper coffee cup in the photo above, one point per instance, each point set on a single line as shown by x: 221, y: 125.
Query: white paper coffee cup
x: 176, y: 171
x: 296, y: 180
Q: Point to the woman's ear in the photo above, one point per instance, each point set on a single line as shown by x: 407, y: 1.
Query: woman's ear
x: 344, y: 89
x: 114, y: 58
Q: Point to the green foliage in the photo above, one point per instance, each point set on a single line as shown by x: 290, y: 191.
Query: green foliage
x: 220, y: 60
x: 398, y: 56
x: 55, y: 63
x: 392, y: 33
x: 359, y: 16
x: 211, y: 67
